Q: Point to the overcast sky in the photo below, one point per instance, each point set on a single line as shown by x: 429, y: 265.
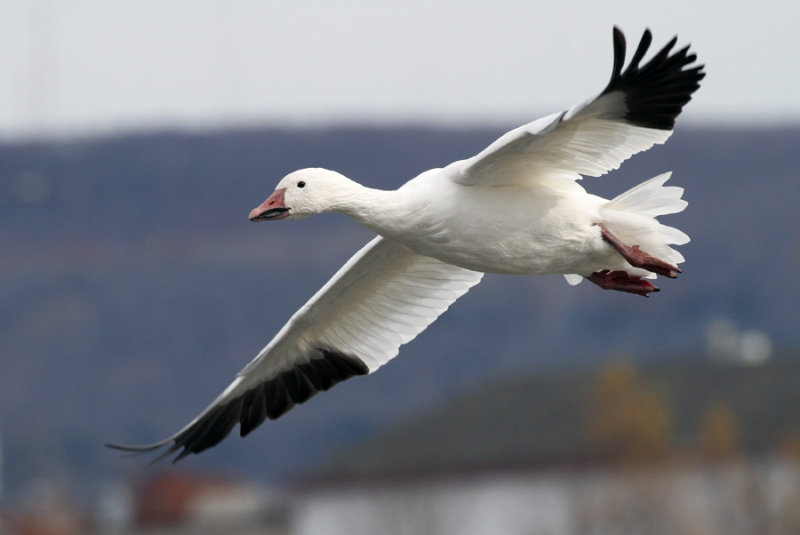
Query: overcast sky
x: 88, y: 66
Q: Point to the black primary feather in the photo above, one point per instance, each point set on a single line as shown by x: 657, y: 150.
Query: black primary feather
x: 656, y: 92
x: 270, y: 399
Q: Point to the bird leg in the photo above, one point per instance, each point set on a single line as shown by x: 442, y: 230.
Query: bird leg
x: 621, y: 281
x: 636, y: 257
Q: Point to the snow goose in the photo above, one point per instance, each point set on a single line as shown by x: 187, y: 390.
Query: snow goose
x: 516, y: 207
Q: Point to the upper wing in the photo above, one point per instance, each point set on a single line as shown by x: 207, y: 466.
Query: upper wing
x: 636, y: 110
x: 383, y: 297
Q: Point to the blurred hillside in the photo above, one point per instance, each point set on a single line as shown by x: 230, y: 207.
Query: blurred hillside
x: 618, y: 415
x: 132, y: 287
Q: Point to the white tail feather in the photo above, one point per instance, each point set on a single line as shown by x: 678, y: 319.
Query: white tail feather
x: 632, y: 217
x: 651, y: 198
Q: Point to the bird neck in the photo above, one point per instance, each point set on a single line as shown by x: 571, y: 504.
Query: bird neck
x: 383, y: 211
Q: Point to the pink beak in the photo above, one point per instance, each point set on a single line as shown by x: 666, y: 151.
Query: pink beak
x: 272, y: 208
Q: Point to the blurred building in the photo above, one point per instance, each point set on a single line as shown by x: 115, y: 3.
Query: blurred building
x: 692, y: 448
x: 164, y: 503
x: 176, y: 503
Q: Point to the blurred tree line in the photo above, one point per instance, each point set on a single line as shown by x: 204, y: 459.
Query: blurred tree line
x: 630, y: 421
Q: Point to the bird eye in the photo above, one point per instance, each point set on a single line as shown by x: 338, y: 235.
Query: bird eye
x: 301, y: 184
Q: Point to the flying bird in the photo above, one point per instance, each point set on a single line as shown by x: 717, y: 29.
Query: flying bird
x: 514, y: 208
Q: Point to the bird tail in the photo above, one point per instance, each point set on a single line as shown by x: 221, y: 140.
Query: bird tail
x: 631, y: 216
x: 651, y: 198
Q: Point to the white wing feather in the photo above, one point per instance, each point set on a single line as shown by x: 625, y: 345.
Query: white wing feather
x: 382, y: 298
x: 635, y: 111
x: 589, y: 140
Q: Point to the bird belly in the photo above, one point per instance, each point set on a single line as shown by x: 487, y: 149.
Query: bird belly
x: 551, y: 239
x: 520, y: 254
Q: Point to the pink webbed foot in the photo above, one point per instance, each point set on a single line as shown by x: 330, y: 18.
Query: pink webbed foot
x: 622, y: 282
x: 638, y: 258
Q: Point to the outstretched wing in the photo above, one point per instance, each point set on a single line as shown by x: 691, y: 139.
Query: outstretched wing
x: 636, y: 110
x: 382, y: 298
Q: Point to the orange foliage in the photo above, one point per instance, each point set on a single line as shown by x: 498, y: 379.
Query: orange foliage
x: 719, y: 434
x: 628, y: 420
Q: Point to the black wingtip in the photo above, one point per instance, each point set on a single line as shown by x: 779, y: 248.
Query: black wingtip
x: 271, y: 399
x: 130, y: 451
x: 619, y: 53
x: 641, y: 50
x: 135, y: 449
x: 655, y: 92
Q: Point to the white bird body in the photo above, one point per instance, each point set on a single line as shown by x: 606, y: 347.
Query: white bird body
x: 529, y: 228
x: 433, y: 216
x: 461, y: 225
x: 514, y: 208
